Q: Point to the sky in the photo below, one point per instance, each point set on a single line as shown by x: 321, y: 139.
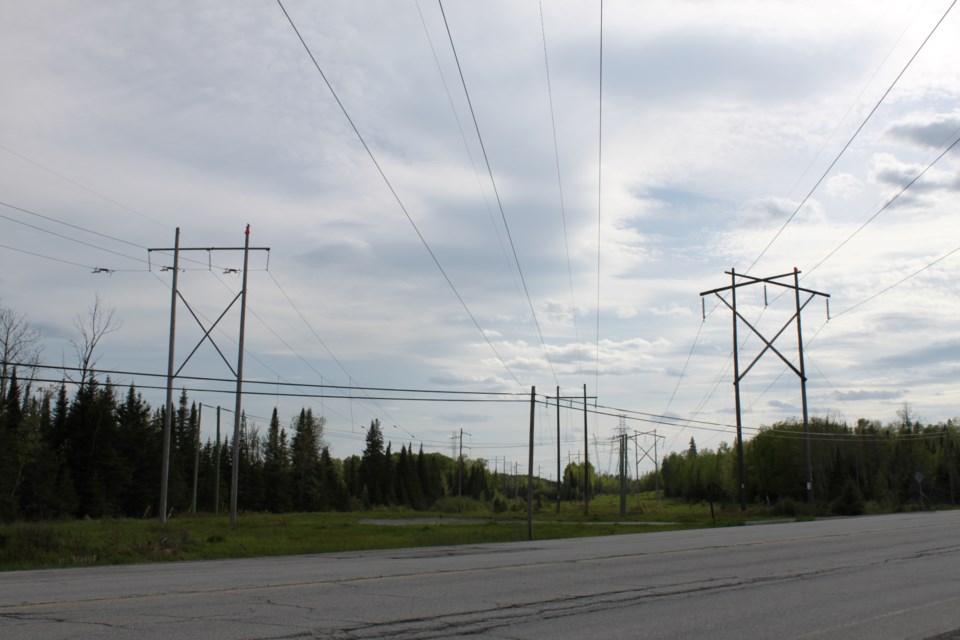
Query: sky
x: 565, y: 245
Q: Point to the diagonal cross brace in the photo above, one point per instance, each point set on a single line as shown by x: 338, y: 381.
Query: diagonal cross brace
x: 768, y: 343
x: 206, y: 335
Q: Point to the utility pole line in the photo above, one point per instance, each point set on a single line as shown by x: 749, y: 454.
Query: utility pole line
x: 460, y: 475
x: 533, y: 407
x: 559, y: 479
x: 586, y: 446
x: 168, y: 414
x: 803, y: 385
x: 235, y: 480
x: 643, y: 452
x: 171, y: 374
x: 558, y: 398
x: 216, y: 486
x: 196, y: 459
x: 459, y: 469
x: 622, y: 464
x: 746, y: 280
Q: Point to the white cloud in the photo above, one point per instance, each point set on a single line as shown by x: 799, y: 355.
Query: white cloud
x: 208, y: 117
x: 844, y: 186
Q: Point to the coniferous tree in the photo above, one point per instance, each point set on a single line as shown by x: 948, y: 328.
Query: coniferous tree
x: 10, y: 418
x: 276, y: 468
x: 352, y: 483
x: 250, y: 489
x: 305, y: 461
x: 139, y: 445
x: 373, y: 466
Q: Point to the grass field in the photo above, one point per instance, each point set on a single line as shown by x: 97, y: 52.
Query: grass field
x: 205, y: 536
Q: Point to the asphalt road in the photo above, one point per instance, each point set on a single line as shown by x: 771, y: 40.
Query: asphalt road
x: 870, y: 577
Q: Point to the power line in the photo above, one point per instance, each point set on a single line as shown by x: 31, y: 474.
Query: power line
x: 396, y: 196
x: 563, y: 215
x: 512, y: 396
x: 295, y: 352
x: 883, y: 208
x: 823, y: 147
x: 612, y: 412
x: 853, y: 137
x: 85, y: 188
x: 272, y: 393
x: 60, y: 235
x: 887, y: 204
x: 261, y: 362
x: 599, y: 193
x: 85, y: 230
x: 683, y: 371
x: 40, y: 255
x: 473, y: 163
x: 496, y: 192
x: 898, y: 283
x: 853, y: 104
x: 72, y: 226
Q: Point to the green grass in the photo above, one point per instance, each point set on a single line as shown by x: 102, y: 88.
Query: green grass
x: 204, y: 537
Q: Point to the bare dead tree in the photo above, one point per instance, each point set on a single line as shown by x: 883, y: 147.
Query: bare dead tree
x: 98, y: 322
x: 19, y: 347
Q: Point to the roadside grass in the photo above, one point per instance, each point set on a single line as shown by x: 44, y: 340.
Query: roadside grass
x: 77, y: 543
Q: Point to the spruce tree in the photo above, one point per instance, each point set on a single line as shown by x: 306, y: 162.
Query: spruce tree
x: 373, y: 465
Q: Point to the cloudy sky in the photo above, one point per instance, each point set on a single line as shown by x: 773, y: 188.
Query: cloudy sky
x: 581, y: 262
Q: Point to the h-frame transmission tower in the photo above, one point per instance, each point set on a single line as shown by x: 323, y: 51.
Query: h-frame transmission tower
x: 171, y: 374
x: 746, y: 280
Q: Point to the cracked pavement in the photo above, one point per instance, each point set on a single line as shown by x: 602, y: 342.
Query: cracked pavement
x: 870, y: 577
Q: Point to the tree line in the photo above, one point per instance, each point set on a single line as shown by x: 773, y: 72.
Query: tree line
x: 895, y: 466
x: 98, y: 454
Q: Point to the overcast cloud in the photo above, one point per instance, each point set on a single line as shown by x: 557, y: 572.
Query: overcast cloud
x: 130, y: 120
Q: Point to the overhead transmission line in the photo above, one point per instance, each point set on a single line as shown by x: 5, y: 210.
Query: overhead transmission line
x: 796, y: 184
x: 837, y: 159
x: 898, y: 283
x: 424, y: 395
x: 333, y: 432
x: 40, y: 255
x: 849, y: 110
x: 563, y: 214
x: 888, y: 203
x: 77, y: 227
x: 246, y: 351
x: 496, y: 192
x: 137, y: 245
x: 883, y: 208
x: 853, y: 137
x: 78, y: 241
x: 466, y: 146
x: 599, y: 192
x: 396, y: 196
x: 500, y: 396
x: 81, y: 186
x: 71, y: 225
x: 843, y: 150
x: 302, y: 359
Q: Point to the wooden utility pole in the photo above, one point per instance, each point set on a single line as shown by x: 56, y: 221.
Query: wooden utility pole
x: 171, y: 374
x: 586, y: 458
x: 168, y: 414
x: 744, y: 281
x: 559, y: 478
x: 235, y: 479
x: 216, y: 485
x: 533, y: 406
x: 196, y: 459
